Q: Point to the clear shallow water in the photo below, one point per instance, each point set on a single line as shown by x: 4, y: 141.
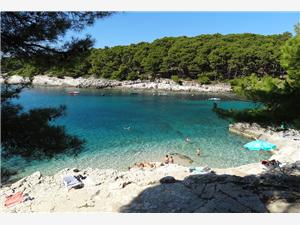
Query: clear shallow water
x: 158, y: 126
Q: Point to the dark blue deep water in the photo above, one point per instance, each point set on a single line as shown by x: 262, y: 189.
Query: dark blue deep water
x: 121, y: 128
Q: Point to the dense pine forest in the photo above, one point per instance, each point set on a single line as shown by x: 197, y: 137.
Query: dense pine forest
x: 205, y: 58
x: 261, y: 68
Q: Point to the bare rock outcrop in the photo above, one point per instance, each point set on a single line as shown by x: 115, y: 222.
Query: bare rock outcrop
x: 15, y: 79
x: 287, y: 141
x: 142, y: 190
x: 80, y: 82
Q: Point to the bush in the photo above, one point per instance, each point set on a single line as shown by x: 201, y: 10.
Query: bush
x: 28, y: 70
x: 132, y: 76
x: 120, y: 74
x: 203, y: 79
x: 188, y: 79
x: 152, y: 77
x: 262, y: 116
x: 296, y: 123
x: 116, y: 75
x: 176, y: 79
x: 144, y: 77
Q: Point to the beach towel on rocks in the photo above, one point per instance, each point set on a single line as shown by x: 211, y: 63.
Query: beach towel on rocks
x: 199, y: 170
x: 271, y: 165
x: 14, y: 199
x: 72, y: 181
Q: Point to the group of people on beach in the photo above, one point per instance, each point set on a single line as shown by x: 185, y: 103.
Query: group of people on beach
x: 169, y: 160
x: 142, y: 165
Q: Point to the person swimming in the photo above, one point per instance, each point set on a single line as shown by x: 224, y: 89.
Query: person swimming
x: 198, y: 152
x: 187, y: 139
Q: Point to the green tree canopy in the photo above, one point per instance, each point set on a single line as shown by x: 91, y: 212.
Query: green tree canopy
x: 218, y: 57
x: 32, y: 33
x: 280, y: 95
x: 30, y: 134
x: 290, y: 58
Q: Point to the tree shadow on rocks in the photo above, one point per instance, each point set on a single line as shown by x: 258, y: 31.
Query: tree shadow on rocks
x: 212, y: 193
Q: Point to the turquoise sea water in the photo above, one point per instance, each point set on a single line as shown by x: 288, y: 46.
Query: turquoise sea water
x: 122, y: 128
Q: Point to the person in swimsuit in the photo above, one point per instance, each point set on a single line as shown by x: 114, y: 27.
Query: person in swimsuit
x: 167, y: 159
x: 171, y: 160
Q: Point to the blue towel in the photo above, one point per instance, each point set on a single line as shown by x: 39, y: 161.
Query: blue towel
x: 71, y: 181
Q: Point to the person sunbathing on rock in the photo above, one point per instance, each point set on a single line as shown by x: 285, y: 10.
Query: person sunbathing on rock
x: 139, y: 165
x: 151, y: 165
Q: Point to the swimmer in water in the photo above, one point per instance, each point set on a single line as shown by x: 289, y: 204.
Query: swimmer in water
x: 126, y: 128
x: 187, y: 140
x: 198, y: 152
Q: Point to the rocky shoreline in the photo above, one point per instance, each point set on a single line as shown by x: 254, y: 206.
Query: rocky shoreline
x: 166, y: 189
x: 287, y: 141
x: 158, y: 84
x: 172, y: 188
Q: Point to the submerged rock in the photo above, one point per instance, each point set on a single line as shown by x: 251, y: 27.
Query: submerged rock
x: 181, y: 159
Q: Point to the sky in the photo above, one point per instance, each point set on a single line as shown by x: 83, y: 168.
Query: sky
x: 126, y: 28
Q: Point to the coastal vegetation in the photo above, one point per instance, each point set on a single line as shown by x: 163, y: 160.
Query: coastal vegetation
x: 38, y: 34
x: 204, y: 58
x: 31, y: 134
x: 280, y: 97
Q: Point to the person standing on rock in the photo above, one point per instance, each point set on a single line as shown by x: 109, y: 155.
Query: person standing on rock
x: 167, y: 159
x: 171, y: 160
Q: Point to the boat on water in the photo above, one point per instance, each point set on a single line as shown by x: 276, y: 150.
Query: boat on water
x: 214, y: 99
x: 73, y: 92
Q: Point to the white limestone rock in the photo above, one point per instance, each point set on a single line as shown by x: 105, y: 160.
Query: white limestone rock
x: 158, y: 84
x: 15, y: 79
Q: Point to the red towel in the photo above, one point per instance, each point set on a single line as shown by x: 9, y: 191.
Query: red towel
x: 14, y: 199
